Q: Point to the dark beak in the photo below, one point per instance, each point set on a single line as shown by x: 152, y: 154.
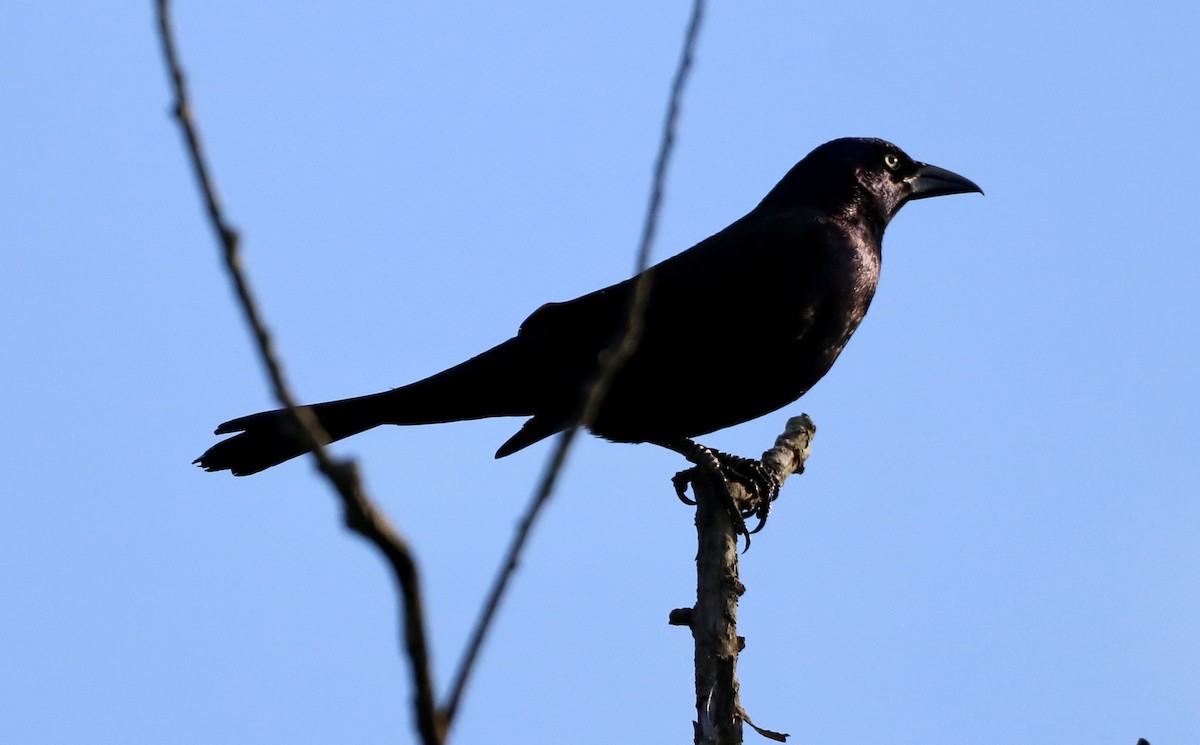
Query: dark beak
x: 931, y: 181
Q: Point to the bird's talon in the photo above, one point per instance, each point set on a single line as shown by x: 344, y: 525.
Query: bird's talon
x: 681, y: 481
x: 762, y: 520
x: 762, y: 485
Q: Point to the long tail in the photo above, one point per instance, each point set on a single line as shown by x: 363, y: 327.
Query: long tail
x: 267, y: 439
x: 496, y: 383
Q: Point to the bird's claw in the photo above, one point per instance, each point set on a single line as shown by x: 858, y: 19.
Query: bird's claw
x: 681, y: 482
x: 761, y: 484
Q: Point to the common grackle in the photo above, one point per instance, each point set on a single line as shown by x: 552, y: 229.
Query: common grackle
x: 735, y: 327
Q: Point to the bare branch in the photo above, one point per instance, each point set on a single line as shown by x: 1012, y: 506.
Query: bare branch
x: 612, y: 359
x: 361, y: 515
x: 713, y: 620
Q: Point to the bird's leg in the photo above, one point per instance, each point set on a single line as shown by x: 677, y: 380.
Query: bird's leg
x: 761, y: 483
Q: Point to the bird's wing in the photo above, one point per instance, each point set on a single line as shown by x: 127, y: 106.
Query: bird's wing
x: 763, y: 263
x: 753, y: 286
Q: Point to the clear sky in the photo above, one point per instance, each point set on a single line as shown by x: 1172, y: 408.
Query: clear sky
x: 998, y: 536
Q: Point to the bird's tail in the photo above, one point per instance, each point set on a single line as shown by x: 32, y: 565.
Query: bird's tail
x: 493, y: 384
x: 268, y: 438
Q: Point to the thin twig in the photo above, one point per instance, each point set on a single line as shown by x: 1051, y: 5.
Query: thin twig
x: 593, y: 393
x: 361, y: 515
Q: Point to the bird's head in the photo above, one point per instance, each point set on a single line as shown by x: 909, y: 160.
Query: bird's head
x: 867, y: 177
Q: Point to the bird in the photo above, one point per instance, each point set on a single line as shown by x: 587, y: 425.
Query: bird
x: 733, y: 328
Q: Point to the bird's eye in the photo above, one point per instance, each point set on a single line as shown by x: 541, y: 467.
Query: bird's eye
x: 892, y: 161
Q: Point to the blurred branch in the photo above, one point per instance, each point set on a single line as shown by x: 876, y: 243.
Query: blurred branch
x: 611, y: 361
x: 713, y: 620
x: 361, y: 515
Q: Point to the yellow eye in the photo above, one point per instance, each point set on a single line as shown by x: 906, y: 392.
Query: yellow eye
x: 892, y: 161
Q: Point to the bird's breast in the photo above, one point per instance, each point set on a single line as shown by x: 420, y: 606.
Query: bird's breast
x: 864, y: 279
x: 838, y: 302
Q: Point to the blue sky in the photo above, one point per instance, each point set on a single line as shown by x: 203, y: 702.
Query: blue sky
x: 996, y: 538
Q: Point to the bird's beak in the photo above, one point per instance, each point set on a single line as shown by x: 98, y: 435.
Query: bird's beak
x: 931, y: 181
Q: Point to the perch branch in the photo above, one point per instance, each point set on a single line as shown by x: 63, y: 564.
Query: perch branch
x: 713, y: 620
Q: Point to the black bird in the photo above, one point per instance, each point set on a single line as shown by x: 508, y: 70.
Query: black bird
x: 737, y: 326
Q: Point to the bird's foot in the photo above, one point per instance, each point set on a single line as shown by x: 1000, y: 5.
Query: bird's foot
x: 762, y: 486
x: 761, y: 483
